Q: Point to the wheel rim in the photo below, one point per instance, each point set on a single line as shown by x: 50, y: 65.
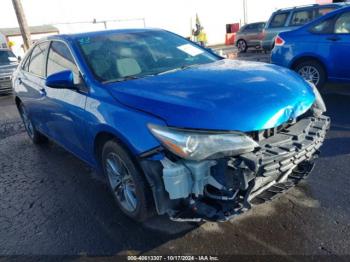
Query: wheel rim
x: 310, y: 73
x: 27, y: 123
x: 241, y: 45
x: 121, y: 181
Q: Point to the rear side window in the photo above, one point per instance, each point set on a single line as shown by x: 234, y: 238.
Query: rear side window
x: 279, y: 20
x: 324, y: 11
x: 252, y: 27
x: 325, y: 27
x: 342, y: 25
x: 261, y: 26
x: 38, y: 60
x: 302, y: 17
x: 61, y: 59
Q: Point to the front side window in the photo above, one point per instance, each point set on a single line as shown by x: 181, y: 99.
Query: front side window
x: 279, y: 20
x: 117, y: 56
x: 37, y: 63
x: 302, y: 17
x: 342, y: 25
x: 61, y: 59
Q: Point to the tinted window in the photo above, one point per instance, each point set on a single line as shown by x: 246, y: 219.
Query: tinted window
x: 302, y: 17
x: 252, y: 27
x: 261, y: 26
x: 342, y: 25
x: 38, y: 59
x: 60, y: 59
x: 7, y: 57
x: 279, y: 20
x: 325, y: 27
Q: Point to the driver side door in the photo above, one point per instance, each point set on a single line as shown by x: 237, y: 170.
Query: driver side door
x: 66, y: 120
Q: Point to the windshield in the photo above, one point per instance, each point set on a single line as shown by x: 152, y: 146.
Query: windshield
x: 121, y: 56
x: 7, y: 57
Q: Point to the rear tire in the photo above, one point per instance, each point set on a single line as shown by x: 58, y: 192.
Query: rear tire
x: 242, y: 46
x: 312, y: 71
x: 34, y: 135
x: 126, y: 182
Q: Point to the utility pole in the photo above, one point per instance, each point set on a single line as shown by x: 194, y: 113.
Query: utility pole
x: 245, y: 12
x: 23, y: 26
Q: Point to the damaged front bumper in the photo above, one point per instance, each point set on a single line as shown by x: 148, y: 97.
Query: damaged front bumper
x: 219, y: 189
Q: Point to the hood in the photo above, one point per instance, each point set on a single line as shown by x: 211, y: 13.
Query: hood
x: 224, y: 95
x: 7, y: 69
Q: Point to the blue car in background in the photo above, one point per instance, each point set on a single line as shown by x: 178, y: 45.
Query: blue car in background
x: 318, y: 51
x: 174, y: 128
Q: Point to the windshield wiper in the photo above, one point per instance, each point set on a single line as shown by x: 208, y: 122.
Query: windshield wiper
x: 177, y: 69
x: 125, y: 78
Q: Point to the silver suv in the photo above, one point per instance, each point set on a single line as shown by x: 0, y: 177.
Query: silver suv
x: 8, y: 64
x: 292, y: 18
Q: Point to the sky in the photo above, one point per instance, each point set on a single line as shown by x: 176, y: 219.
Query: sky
x: 173, y: 15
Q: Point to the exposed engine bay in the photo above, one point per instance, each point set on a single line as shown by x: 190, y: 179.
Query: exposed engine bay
x: 219, y: 189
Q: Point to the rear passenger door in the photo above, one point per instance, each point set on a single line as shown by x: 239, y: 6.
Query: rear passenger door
x: 66, y: 121
x: 31, y: 85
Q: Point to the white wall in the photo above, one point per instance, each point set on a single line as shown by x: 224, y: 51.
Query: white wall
x: 174, y: 15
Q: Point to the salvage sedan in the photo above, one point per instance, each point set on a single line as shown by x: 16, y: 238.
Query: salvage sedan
x: 174, y: 128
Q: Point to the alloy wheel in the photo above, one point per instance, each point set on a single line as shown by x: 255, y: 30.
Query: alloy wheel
x: 121, y: 182
x: 241, y: 45
x: 310, y: 73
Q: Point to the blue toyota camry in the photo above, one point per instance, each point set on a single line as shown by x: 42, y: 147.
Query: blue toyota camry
x: 174, y: 128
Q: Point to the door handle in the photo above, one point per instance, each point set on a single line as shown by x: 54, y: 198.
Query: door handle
x: 333, y: 38
x: 42, y: 91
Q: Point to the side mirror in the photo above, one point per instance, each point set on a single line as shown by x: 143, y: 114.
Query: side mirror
x: 63, y: 79
x: 19, y: 58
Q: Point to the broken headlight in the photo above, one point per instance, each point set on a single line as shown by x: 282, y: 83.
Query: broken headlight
x: 319, y: 106
x: 200, y: 145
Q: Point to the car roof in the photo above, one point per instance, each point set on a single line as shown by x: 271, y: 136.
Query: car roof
x: 97, y: 33
x: 309, y: 7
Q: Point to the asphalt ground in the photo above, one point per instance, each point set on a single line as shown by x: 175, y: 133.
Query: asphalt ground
x: 51, y: 203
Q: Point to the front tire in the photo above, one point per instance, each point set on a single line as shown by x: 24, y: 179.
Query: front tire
x: 242, y: 46
x: 34, y: 135
x: 313, y: 72
x: 126, y: 182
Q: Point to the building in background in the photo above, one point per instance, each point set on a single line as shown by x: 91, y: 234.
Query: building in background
x: 14, y: 39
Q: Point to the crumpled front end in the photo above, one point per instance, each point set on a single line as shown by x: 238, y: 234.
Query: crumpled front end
x: 219, y: 189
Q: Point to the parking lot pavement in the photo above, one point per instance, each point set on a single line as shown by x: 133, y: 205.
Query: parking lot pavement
x: 52, y: 203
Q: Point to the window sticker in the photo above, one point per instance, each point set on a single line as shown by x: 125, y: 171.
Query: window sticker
x: 84, y: 40
x: 12, y: 59
x: 190, y: 49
